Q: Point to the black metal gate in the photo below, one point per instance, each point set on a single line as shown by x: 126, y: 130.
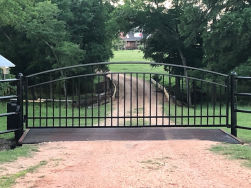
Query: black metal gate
x: 88, y: 96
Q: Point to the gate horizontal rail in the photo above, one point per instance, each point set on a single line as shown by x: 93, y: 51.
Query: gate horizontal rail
x: 107, y: 73
x: 127, y: 63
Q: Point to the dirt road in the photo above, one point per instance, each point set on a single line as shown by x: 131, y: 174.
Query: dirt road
x: 133, y: 94
x: 178, y: 163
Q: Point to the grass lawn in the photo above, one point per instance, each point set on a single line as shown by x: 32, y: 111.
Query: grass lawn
x: 234, y: 151
x: 128, y: 55
x: 132, y: 55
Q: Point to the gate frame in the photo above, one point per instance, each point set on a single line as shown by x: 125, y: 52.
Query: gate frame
x: 225, y: 84
x: 22, y: 88
x: 234, y: 105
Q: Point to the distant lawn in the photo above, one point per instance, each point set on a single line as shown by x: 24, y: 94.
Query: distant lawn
x: 133, y: 55
x: 128, y: 55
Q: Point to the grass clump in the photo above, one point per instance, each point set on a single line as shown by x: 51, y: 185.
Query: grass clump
x: 235, y: 151
x: 14, y: 154
x: 9, y: 180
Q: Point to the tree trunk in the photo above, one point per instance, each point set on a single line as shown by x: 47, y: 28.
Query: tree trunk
x: 51, y: 87
x: 64, y: 85
x: 184, y: 63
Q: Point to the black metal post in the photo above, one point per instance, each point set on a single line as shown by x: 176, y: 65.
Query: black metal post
x: 233, y: 88
x: 19, y: 133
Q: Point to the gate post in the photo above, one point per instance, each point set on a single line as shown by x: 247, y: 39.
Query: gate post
x: 19, y: 133
x: 233, y: 89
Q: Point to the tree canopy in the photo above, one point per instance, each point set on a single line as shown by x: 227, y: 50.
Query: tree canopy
x: 42, y: 34
x: 208, y: 33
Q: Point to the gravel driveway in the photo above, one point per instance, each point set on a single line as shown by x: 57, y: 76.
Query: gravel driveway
x: 172, y: 163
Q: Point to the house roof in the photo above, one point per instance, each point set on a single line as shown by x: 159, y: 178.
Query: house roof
x: 5, y: 62
x: 133, y: 37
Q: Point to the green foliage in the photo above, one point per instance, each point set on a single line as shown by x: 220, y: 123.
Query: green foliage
x: 40, y: 35
x: 228, y: 43
x: 118, y: 44
x: 209, y: 33
x: 165, y: 39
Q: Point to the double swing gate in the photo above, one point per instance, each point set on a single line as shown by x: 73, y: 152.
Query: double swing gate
x: 91, y: 96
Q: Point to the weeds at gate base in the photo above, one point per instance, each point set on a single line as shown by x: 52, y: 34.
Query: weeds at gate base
x: 14, y: 154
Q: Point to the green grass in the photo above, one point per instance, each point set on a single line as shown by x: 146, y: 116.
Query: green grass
x: 243, y: 119
x: 70, y: 112
x: 133, y: 55
x: 63, y: 112
x: 3, y: 122
x: 128, y: 55
x: 9, y: 180
x: 191, y: 112
x: 234, y: 151
x: 14, y: 154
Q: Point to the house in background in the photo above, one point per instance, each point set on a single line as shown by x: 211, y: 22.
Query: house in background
x: 5, y: 66
x: 132, y: 40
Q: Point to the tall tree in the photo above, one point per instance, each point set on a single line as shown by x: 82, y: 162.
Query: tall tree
x: 165, y: 39
x: 88, y: 24
x: 37, y: 40
x: 228, y: 40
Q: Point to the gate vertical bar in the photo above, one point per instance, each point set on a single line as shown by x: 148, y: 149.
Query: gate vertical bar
x: 26, y: 103
x: 227, y: 92
x: 137, y: 97
x: 105, y: 78
x: 144, y: 87
x: 131, y: 99
x: 156, y: 97
x: 118, y: 119
x: 233, y: 88
x: 112, y: 99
